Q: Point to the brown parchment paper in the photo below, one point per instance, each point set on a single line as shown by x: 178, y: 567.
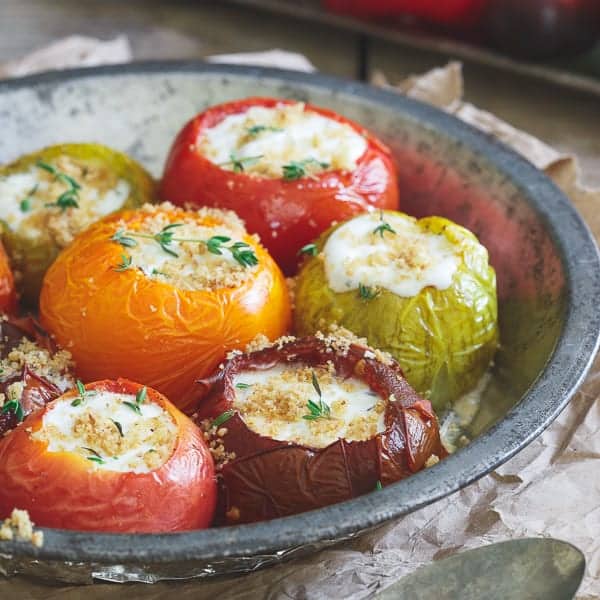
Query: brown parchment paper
x: 552, y: 488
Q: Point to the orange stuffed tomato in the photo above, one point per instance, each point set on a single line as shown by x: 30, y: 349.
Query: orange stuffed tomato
x: 8, y: 295
x: 305, y: 423
x: 160, y: 295
x: 287, y: 168
x: 111, y: 456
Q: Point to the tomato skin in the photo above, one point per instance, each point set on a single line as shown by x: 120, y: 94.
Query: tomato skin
x: 285, y: 214
x: 8, y: 295
x: 126, y: 324
x: 64, y: 490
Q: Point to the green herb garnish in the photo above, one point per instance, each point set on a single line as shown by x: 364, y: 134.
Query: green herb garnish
x: 239, y: 163
x: 222, y: 418
x: 256, y: 129
x: 381, y: 229
x: 68, y: 199
x: 320, y: 410
x: 134, y: 407
x: 95, y: 456
x: 119, y: 427
x: 122, y: 239
x: 15, y: 407
x: 240, y: 251
x: 243, y: 386
x: 378, y: 486
x: 309, y: 249
x: 25, y: 204
x: 297, y: 169
x: 83, y: 393
x: 124, y: 264
x: 367, y: 293
x: 141, y: 395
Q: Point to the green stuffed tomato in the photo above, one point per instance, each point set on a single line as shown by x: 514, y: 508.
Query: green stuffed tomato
x: 422, y: 290
x: 48, y: 197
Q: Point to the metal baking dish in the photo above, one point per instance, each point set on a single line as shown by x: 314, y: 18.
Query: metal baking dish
x: 546, y: 260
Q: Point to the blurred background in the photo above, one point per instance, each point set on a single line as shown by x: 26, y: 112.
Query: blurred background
x: 534, y: 63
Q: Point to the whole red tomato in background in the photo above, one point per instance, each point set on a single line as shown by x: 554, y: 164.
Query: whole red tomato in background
x: 285, y: 214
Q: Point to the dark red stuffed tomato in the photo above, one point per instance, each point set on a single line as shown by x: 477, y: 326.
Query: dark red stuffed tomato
x: 287, y: 168
x: 33, y: 371
x: 306, y: 423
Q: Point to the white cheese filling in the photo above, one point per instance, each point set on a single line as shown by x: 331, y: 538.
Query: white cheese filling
x: 24, y: 199
x: 273, y: 402
x: 364, y: 253
x: 281, y: 136
x: 110, y: 433
x: 186, y: 261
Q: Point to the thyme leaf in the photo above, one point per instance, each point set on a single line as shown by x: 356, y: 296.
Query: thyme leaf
x: 119, y: 427
x: 69, y: 198
x: 256, y: 129
x: 320, y: 409
x: 378, y: 486
x: 222, y: 418
x: 122, y: 239
x: 309, y: 249
x: 141, y: 395
x: 366, y: 292
x: 16, y: 408
x: 382, y: 228
x: 242, y: 386
x: 296, y: 169
x: 134, y: 407
x: 239, y: 163
x: 124, y: 264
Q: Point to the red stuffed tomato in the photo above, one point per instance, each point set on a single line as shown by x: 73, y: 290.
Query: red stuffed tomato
x: 310, y: 422
x: 114, y: 456
x: 288, y: 169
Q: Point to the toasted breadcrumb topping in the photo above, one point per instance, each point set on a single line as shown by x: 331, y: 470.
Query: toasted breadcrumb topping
x: 275, y: 404
x: 267, y: 139
x: 135, y: 443
x: 101, y: 192
x: 53, y: 367
x: 20, y: 526
x: 194, y: 267
x: 214, y: 439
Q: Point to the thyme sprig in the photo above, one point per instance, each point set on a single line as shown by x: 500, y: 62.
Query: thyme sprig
x: 16, y: 408
x: 69, y: 198
x: 240, y: 163
x: 296, y: 169
x: 382, y: 228
x: 366, y: 292
x: 82, y: 393
x: 320, y: 409
x: 241, y: 252
x: 140, y: 398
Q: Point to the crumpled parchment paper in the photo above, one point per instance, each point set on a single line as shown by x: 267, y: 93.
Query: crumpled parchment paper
x: 550, y: 489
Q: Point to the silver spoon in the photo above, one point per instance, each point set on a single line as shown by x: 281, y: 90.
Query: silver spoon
x: 524, y: 569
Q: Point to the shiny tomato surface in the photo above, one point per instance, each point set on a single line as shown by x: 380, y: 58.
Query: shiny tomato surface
x: 65, y: 490
x: 285, y: 214
x: 8, y: 295
x: 125, y: 324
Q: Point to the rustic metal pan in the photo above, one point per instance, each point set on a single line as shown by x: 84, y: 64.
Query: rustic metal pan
x: 546, y: 260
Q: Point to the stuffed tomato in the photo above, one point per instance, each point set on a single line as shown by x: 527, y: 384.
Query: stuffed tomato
x: 306, y: 423
x: 33, y: 371
x: 288, y: 169
x: 8, y: 293
x: 422, y: 290
x: 48, y: 197
x: 160, y: 295
x: 112, y: 456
